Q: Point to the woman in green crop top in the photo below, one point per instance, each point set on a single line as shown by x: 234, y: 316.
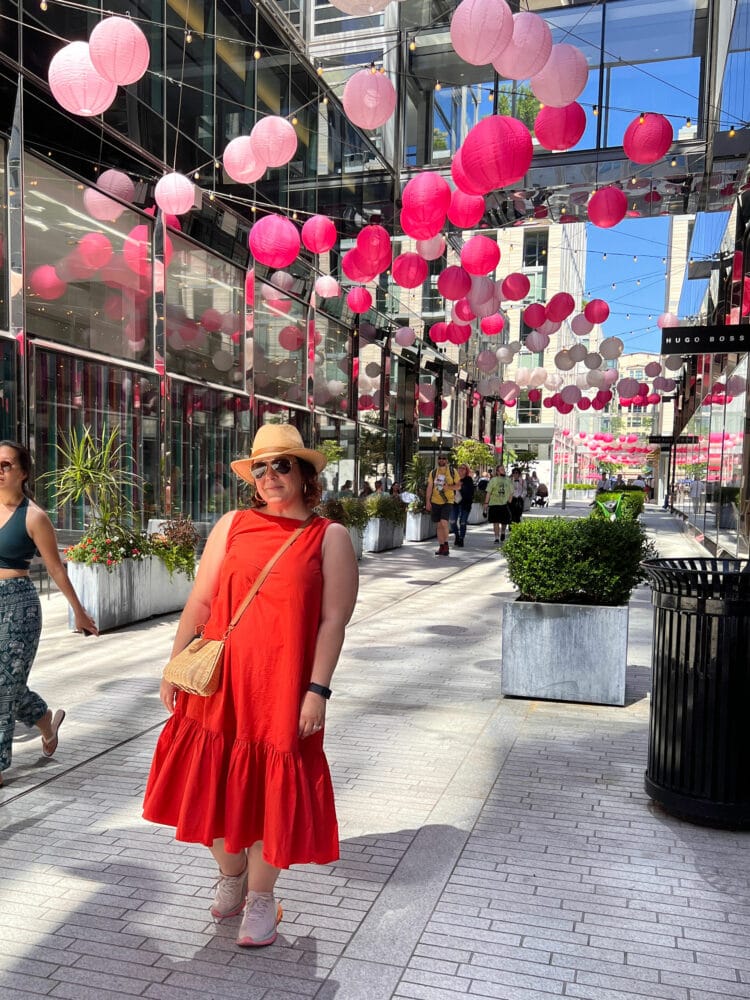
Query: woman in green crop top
x: 25, y: 529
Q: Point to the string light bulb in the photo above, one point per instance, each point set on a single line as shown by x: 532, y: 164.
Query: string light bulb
x: 412, y: 46
x: 319, y: 70
x: 604, y: 256
x: 196, y: 175
x: 635, y: 258
x: 641, y: 118
x: 325, y: 100
x: 595, y: 110
x: 295, y: 120
x: 674, y: 161
x: 689, y: 121
x: 256, y: 54
x: 732, y: 132
x: 633, y: 179
x: 43, y: 5
x: 188, y: 36
x: 438, y: 85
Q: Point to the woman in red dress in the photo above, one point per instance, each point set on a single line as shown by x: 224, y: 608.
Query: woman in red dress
x: 244, y: 771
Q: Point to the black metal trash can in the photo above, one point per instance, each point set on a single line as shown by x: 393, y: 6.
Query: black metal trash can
x: 699, y: 734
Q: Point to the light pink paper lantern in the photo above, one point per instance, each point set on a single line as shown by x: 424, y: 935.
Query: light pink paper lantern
x: 570, y: 394
x: 607, y: 207
x: 560, y: 128
x: 496, y: 152
x: 647, y: 138
x: 528, y: 50
x: 405, y: 336
x: 359, y: 300
x: 274, y: 241
x: 319, y: 234
x: 175, y: 194
x: 409, y: 270
x: 76, y: 85
x: 327, y: 287
x: 465, y: 210
x: 44, y: 282
x: 486, y: 361
x: 454, y: 282
x: 369, y: 99
x: 119, y: 50
x: 241, y: 162
x: 460, y: 178
x: 563, y: 77
x: 516, y: 287
x: 103, y: 208
x: 580, y: 326
x: 425, y: 198
x: 95, y: 249
x: 273, y: 140
x: 481, y: 30
x: 653, y: 369
x: 536, y: 341
x: 667, y: 320
x: 480, y: 255
x: 431, y: 249
x: 627, y: 387
x: 596, y: 311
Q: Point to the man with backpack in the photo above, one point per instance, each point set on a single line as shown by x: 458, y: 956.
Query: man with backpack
x: 442, y: 484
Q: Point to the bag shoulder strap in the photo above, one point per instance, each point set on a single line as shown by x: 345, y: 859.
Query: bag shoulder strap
x: 264, y: 573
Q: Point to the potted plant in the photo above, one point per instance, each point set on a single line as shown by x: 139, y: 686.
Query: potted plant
x: 387, y: 519
x: 350, y: 512
x: 565, y: 636
x: 173, y: 568
x: 419, y: 524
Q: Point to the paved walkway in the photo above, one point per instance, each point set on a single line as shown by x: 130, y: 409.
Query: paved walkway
x: 490, y: 847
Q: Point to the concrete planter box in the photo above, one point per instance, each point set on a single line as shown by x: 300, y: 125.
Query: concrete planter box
x: 476, y: 514
x: 381, y: 535
x: 356, y: 535
x: 564, y: 652
x: 419, y: 527
x: 132, y: 591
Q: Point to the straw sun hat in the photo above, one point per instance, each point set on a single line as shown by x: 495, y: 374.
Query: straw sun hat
x: 273, y: 441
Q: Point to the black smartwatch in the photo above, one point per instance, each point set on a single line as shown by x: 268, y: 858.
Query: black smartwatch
x: 324, y: 692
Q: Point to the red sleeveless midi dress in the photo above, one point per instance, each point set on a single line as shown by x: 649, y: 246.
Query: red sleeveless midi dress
x: 232, y: 765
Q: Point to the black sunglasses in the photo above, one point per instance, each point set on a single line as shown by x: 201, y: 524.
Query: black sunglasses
x: 281, y: 465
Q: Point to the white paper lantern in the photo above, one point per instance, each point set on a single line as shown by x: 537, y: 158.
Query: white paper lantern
x: 327, y: 287
x: 175, y: 194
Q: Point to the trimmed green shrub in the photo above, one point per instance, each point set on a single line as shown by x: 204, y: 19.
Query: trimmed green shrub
x: 349, y: 511
x: 577, y: 561
x: 390, y: 508
x: 633, y: 502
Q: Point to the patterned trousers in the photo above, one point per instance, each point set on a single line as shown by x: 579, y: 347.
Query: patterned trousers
x: 20, y: 627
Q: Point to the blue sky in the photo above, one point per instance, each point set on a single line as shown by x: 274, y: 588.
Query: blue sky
x: 635, y: 251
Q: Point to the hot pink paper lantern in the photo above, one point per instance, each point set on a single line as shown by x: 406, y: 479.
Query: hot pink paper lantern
x: 465, y: 210
x: 534, y: 315
x: 497, y: 152
x: 425, y: 198
x: 44, y: 282
x: 458, y: 333
x: 534, y: 395
x: 515, y: 287
x: 175, y: 194
x: 596, y: 311
x: 481, y: 30
x: 560, y: 306
x: 76, y: 85
x: 356, y: 268
x: 274, y: 241
x: 492, y: 325
x: 119, y: 50
x: 409, y: 270
x: 560, y: 128
x: 454, y: 282
x: 359, y: 300
x: 461, y: 178
x: 528, y: 50
x: 607, y: 207
x: 480, y: 255
x: 462, y: 311
x: 563, y: 77
x: 439, y: 333
x: 291, y: 338
x: 273, y: 140
x: 95, y: 249
x: 647, y: 138
x: 319, y: 234
x: 374, y: 247
x: 369, y: 99
x: 241, y: 161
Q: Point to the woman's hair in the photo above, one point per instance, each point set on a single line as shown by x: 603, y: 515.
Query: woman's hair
x: 312, y: 489
x: 24, y: 460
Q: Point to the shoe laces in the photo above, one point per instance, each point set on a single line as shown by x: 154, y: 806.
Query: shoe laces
x: 260, y: 904
x: 227, y: 886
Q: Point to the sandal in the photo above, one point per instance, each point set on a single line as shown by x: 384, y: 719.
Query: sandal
x: 50, y: 745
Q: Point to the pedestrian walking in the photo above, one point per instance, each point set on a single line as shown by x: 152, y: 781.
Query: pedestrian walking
x: 24, y: 530
x: 243, y: 771
x: 519, y: 492
x: 462, y: 506
x: 442, y: 484
x: 497, y: 504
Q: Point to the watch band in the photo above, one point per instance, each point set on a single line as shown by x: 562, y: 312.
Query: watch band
x: 324, y: 692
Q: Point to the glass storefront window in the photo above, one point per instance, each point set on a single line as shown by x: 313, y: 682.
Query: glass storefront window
x: 280, y: 345
x: 369, y: 375
x: 88, y: 266
x: 4, y: 290
x: 336, y: 439
x: 8, y: 390
x: 72, y: 393
x: 203, y: 318
x: 332, y: 362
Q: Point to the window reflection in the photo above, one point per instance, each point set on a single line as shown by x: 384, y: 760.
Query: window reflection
x: 4, y: 290
x: 280, y: 343
x: 331, y: 371
x: 8, y: 392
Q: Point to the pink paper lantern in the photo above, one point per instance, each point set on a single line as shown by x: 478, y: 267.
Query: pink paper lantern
x: 570, y: 394
x: 95, y: 250
x: 607, y: 207
x: 492, y: 325
x: 560, y: 128
x: 515, y: 287
x: 136, y: 250
x: 480, y: 255
x: 327, y: 287
x: 431, y: 249
x: 497, y: 152
x: 44, y: 282
x: 425, y: 198
x: 76, y: 85
x: 319, y: 234
x: 536, y: 341
x: 465, y: 210
x: 409, y: 270
x: 667, y: 320
x: 534, y: 395
x: 647, y: 138
x: 653, y: 398
x: 356, y: 268
x: 462, y: 311
x: 439, y: 333
x: 560, y: 306
x: 291, y: 338
x: 274, y: 241
x: 581, y: 326
x: 96, y: 201
x: 175, y: 194
x: 454, y: 282
x: 528, y: 50
x: 584, y: 403
x: 211, y: 320
x: 273, y: 140
x: 369, y: 99
x: 458, y: 333
x: 596, y: 311
x: 374, y: 247
x: 241, y: 162
x: 359, y: 300
x: 481, y: 30
x: 461, y: 178
x: 486, y: 361
x: 119, y: 50
x: 405, y: 336
x: 534, y: 315
x: 563, y: 77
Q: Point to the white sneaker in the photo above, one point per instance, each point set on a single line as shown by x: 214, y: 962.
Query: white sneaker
x: 259, y: 921
x: 230, y: 895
